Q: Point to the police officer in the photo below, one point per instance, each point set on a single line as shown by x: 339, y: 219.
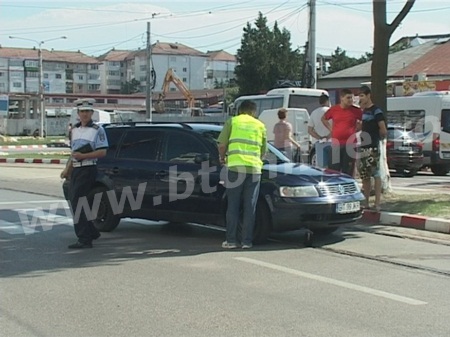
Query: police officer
x: 243, y: 139
x: 88, y: 142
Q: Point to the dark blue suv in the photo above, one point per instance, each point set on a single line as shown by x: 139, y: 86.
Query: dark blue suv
x: 172, y: 172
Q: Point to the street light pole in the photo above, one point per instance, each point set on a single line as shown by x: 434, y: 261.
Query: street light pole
x: 41, y: 77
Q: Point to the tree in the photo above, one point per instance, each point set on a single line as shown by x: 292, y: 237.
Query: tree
x: 264, y: 57
x: 382, y: 35
x: 340, y: 61
x: 130, y: 87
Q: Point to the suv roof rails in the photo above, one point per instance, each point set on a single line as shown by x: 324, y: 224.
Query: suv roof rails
x: 134, y: 123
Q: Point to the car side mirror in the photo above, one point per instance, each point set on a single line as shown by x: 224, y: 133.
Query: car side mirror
x: 200, y: 158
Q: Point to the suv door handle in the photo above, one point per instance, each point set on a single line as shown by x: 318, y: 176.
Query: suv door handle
x: 115, y: 170
x: 162, y: 174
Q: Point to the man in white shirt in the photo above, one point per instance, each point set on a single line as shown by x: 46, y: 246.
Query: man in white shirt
x: 320, y: 133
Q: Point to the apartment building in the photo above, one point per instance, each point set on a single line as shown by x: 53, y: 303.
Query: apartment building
x: 63, y: 71
x: 112, y: 69
x: 219, y: 68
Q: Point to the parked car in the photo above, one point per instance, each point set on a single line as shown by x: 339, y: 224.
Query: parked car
x: 172, y: 172
x: 404, y: 151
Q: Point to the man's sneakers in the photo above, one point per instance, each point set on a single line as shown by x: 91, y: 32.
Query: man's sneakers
x: 229, y: 245
x: 80, y: 245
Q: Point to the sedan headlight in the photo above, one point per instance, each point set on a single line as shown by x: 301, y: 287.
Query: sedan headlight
x: 357, y: 187
x: 298, y: 191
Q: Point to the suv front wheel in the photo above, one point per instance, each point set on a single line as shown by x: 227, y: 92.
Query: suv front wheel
x: 106, y: 221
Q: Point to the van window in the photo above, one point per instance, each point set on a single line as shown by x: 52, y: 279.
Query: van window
x: 309, y: 103
x: 445, y: 120
x: 408, y: 119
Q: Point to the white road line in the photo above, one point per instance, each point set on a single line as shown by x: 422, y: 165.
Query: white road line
x: 11, y: 227
x: 338, y: 283
x: 32, y: 202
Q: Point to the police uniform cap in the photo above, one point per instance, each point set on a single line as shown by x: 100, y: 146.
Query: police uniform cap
x: 85, y: 104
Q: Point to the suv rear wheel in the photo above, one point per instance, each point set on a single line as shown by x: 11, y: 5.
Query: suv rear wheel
x: 106, y: 221
x: 440, y: 170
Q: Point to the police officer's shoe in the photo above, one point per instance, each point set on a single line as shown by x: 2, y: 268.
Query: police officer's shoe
x: 80, y: 245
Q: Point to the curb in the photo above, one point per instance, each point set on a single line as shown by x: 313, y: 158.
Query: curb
x: 42, y: 146
x: 406, y: 220
x: 32, y: 161
x: 6, y: 147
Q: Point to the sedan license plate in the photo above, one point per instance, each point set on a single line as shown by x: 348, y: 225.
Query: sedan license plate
x: 348, y: 207
x: 405, y: 148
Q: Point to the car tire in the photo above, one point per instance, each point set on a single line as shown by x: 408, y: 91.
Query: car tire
x: 325, y: 230
x: 440, y: 170
x: 407, y: 173
x: 106, y: 220
x: 312, y: 157
x: 263, y: 223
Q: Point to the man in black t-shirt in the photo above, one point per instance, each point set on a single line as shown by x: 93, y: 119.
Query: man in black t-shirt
x: 373, y: 130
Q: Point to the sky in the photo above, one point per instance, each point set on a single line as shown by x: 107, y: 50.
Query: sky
x: 94, y: 27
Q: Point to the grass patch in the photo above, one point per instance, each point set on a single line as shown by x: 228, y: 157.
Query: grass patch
x: 30, y: 140
x: 432, y: 205
x: 40, y: 155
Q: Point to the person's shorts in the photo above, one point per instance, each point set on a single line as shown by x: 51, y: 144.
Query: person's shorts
x: 369, y: 163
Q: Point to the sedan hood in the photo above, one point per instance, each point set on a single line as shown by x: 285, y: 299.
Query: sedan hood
x: 305, y: 173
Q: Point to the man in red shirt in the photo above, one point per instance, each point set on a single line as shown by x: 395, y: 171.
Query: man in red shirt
x: 346, y: 118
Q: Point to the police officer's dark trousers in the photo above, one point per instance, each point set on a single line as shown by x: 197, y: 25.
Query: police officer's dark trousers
x: 81, y: 182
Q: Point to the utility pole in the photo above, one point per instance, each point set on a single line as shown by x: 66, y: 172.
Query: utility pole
x: 148, y: 86
x: 312, y: 43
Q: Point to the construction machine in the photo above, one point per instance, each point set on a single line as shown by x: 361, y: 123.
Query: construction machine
x: 171, y: 77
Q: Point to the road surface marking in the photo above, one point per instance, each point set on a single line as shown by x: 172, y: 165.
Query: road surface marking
x: 32, y: 202
x: 338, y: 283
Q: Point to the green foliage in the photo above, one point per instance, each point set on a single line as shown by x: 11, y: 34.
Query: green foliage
x: 264, y: 57
x: 340, y: 61
x: 130, y: 87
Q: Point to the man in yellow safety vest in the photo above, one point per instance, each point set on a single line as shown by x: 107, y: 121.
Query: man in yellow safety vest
x: 242, y: 144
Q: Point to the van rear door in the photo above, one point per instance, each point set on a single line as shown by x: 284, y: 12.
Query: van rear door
x: 444, y: 136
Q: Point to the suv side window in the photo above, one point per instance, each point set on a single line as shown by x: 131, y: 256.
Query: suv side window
x: 113, y: 135
x: 140, y: 144
x: 183, y: 148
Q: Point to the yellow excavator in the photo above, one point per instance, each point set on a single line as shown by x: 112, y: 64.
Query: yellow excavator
x: 171, y: 77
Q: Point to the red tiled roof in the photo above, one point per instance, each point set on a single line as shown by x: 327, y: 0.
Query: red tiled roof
x: 115, y: 55
x: 53, y: 55
x: 221, y: 55
x: 434, y: 62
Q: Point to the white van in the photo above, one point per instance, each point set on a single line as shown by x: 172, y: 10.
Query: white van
x: 428, y: 115
x: 99, y: 117
x: 299, y: 120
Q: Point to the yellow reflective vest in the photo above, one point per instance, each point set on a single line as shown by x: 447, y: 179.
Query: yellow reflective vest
x: 245, y: 142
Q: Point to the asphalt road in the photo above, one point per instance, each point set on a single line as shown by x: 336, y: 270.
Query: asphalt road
x: 159, y: 279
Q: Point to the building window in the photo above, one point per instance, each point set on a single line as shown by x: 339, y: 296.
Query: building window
x: 2, y: 74
x: 184, y: 79
x: 17, y: 85
x: 94, y: 66
x: 45, y: 75
x: 81, y: 77
x: 184, y: 70
x: 58, y: 76
x: 32, y: 74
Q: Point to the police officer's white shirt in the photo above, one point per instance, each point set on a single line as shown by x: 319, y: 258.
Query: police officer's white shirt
x: 92, y: 134
x: 315, y: 121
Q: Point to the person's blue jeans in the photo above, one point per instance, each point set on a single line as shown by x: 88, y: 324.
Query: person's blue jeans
x: 241, y: 187
x: 323, y: 154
